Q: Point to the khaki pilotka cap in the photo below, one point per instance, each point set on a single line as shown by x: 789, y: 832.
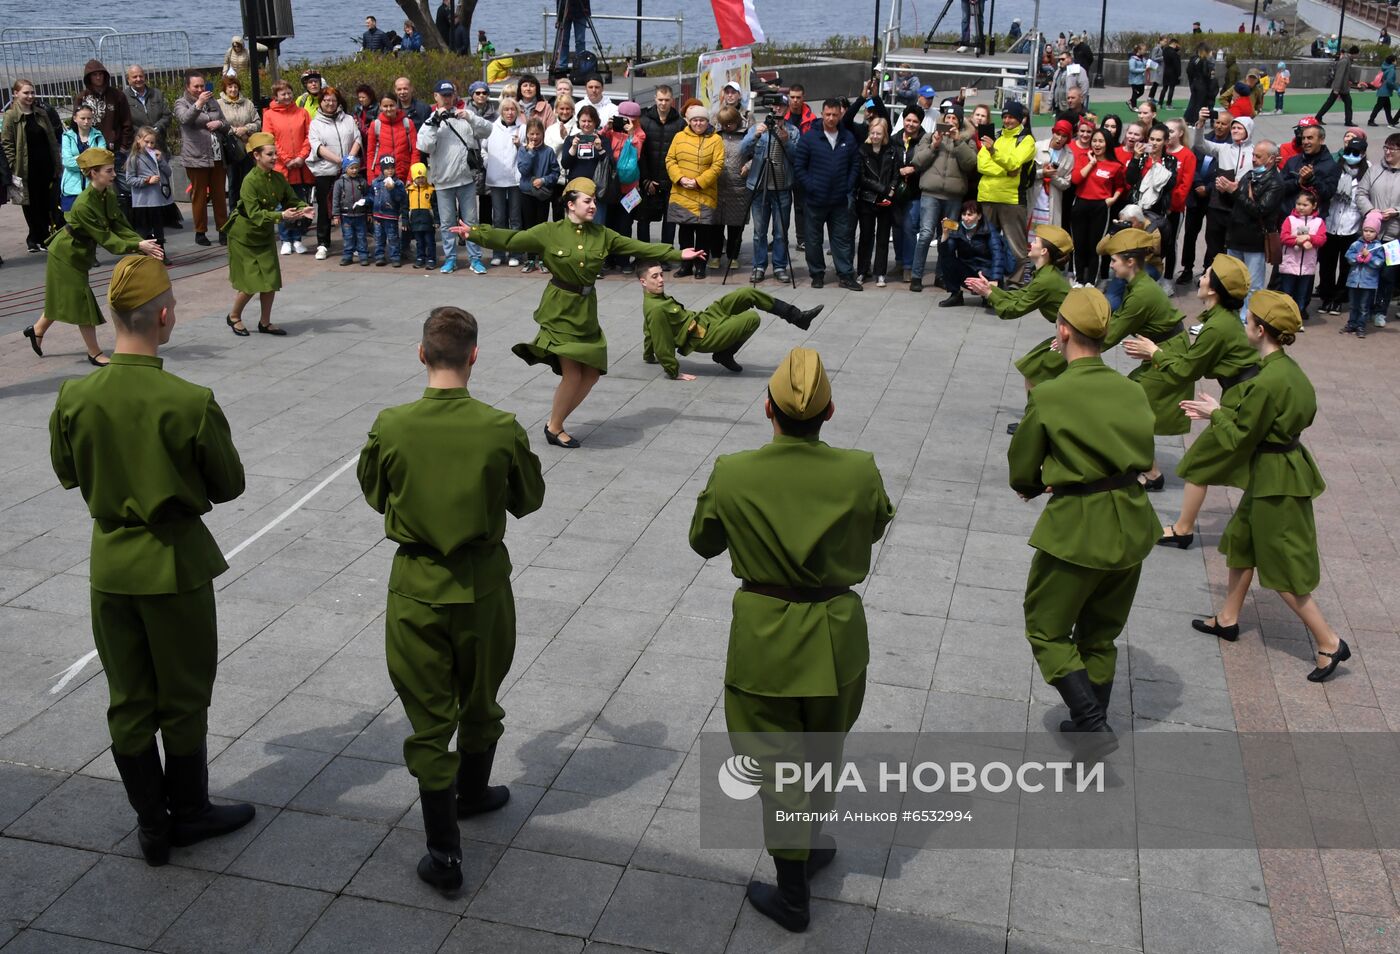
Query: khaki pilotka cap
x: 1087, y: 311
x: 1233, y: 275
x: 1130, y: 240
x: 799, y: 386
x: 1277, y: 310
x: 1057, y: 237
x: 136, y: 280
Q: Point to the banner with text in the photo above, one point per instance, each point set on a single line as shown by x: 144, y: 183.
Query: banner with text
x: 721, y: 67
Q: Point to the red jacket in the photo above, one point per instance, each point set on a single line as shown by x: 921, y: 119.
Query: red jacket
x: 1101, y: 183
x: 398, y: 139
x: 290, y: 126
x: 806, y: 122
x: 1185, y: 176
x: 1241, y: 106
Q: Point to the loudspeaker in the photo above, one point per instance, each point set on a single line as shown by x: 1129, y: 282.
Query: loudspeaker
x: 268, y: 19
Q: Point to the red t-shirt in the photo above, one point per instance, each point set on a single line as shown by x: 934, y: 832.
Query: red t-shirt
x: 1101, y: 183
x: 1185, y: 176
x: 1241, y: 106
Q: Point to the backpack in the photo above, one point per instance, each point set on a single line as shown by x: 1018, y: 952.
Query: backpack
x: 628, y: 169
x: 584, y: 64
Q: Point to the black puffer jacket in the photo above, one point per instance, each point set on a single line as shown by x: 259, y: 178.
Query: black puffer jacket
x: 653, y: 162
x: 878, y: 174
x: 1255, y: 211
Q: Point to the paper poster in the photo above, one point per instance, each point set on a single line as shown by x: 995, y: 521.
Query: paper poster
x: 632, y: 199
x: 721, y: 67
x: 1392, y: 252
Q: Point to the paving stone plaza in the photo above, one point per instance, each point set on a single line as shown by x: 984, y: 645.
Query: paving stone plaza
x: 622, y: 638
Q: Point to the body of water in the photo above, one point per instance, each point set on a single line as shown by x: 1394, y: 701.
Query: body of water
x: 325, y: 28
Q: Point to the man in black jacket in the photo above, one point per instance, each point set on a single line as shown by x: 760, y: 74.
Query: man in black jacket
x: 1171, y: 71
x: 1314, y: 167
x: 907, y: 198
x: 1254, y: 213
x: 374, y: 39
x: 660, y: 123
x: 1200, y: 79
x: 443, y: 22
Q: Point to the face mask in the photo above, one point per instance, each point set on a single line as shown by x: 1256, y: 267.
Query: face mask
x: 1261, y: 169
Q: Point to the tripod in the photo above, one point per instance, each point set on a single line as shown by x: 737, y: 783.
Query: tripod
x: 561, y: 47
x: 748, y: 213
x: 981, y: 43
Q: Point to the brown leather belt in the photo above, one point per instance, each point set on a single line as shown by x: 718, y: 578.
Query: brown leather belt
x: 795, y: 594
x: 1161, y: 336
x: 1269, y: 447
x: 1227, y: 383
x: 1116, y: 482
x: 570, y: 287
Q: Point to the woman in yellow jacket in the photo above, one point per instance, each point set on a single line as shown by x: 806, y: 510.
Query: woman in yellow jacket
x: 694, y: 163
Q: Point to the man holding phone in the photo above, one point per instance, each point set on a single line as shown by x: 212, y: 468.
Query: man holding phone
x: 945, y: 162
x: 1002, y: 189
x: 201, y: 123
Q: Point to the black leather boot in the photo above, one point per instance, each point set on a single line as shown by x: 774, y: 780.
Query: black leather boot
x: 441, y: 867
x: 1087, y: 718
x: 794, y: 315
x: 725, y: 359
x: 193, y: 817
x: 1103, y: 692
x: 474, y: 795
x: 145, y: 789
x: 788, y: 902
x: 823, y: 850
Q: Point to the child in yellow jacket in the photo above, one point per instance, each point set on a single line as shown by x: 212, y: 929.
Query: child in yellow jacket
x: 421, y: 221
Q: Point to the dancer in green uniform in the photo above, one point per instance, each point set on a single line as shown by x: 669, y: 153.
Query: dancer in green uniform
x: 1086, y: 437
x: 1050, y: 248
x: 1272, y: 529
x: 719, y: 330
x: 1220, y: 351
x: 445, y: 470
x: 798, y: 518
x: 1147, y: 311
x: 573, y: 251
x: 253, y: 269
x: 94, y: 220
x: 152, y: 561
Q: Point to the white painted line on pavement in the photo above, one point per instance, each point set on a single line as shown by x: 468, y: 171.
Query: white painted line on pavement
x: 69, y: 674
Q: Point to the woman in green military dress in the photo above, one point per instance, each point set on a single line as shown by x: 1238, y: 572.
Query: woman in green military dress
x: 264, y: 199
x: 573, y: 251
x: 94, y: 220
x: 1147, y: 311
x: 1221, y: 351
x: 1272, y: 529
x: 1051, y: 247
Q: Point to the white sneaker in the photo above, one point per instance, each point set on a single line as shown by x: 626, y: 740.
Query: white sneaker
x: 880, y: 282
x: 299, y: 248
x: 514, y: 262
x: 495, y: 261
x: 1380, y: 321
x: 286, y: 248
x: 321, y: 253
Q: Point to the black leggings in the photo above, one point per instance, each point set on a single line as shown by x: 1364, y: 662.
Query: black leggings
x: 41, y: 214
x: 1382, y: 102
x: 699, y: 236
x: 725, y: 240
x: 325, y: 185
x: 1333, y: 268
x: 875, y: 222
x: 1171, y: 227
x: 1090, y: 220
x: 149, y: 222
x: 1191, y: 231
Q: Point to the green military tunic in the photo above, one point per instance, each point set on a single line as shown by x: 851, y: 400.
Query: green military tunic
x: 444, y: 471
x: 794, y: 513
x: 725, y: 323
x: 1045, y: 293
x: 253, y: 266
x: 1221, y: 351
x: 1087, y: 425
x: 1273, y: 529
x: 95, y: 219
x: 151, y: 454
x: 574, y: 253
x: 1147, y: 311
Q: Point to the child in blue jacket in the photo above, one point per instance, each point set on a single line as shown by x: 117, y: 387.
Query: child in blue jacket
x: 390, y: 201
x: 1367, y: 259
x: 539, y: 171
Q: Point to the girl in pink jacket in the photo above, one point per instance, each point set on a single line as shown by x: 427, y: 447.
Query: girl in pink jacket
x: 1304, y: 232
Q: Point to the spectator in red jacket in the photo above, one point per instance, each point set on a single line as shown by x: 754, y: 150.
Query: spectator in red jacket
x: 290, y: 126
x: 392, y: 134
x: 1185, y: 177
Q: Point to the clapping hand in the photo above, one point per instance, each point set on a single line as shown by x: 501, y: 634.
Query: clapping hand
x: 1201, y: 408
x: 978, y: 285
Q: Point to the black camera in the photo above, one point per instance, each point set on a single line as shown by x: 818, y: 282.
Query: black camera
x: 437, y: 117
x: 619, y: 123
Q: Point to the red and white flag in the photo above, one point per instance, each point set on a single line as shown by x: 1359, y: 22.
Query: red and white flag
x: 738, y: 23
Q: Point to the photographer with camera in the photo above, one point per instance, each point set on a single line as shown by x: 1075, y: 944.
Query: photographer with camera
x: 586, y: 155
x: 451, y: 140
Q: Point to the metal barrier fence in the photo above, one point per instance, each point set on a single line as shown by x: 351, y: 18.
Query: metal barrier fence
x: 54, y: 64
x: 163, y: 54
x: 9, y: 34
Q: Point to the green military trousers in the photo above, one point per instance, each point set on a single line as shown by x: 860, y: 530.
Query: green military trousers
x: 773, y: 728
x: 1073, y: 615
x: 447, y: 662
x: 160, y: 653
x: 730, y: 320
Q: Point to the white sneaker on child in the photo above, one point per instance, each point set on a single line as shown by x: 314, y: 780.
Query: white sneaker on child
x: 286, y: 248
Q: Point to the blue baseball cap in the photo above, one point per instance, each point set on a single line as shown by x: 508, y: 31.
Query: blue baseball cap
x: 928, y: 92
x: 445, y: 87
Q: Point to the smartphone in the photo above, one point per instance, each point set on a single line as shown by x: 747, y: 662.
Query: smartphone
x: 986, y: 131
x: 586, y: 147
x: 619, y: 123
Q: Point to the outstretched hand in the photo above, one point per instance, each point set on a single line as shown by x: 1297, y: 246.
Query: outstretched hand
x: 1139, y: 347
x: 691, y: 253
x: 462, y: 230
x: 152, y: 248
x: 978, y: 285
x: 1201, y: 408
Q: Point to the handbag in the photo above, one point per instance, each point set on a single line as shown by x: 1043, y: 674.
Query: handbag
x: 605, y: 176
x: 1273, y: 248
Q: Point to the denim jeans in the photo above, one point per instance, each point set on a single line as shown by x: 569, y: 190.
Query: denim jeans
x: 771, y: 208
x: 294, y: 231
x: 1297, y: 287
x: 1258, y: 273
x: 840, y: 223
x: 906, y: 233
x: 1115, y: 288
x: 355, y: 234
x: 580, y: 28
x: 386, y: 240
x: 1386, y: 291
x: 1363, y: 302
x: 932, y: 211
x: 425, y: 247
x: 454, y: 203
x: 505, y: 207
